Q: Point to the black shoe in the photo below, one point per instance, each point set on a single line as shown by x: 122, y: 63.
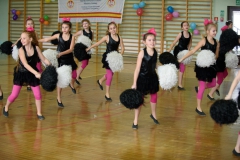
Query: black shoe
x: 29, y: 88
x: 236, y: 153
x: 200, y: 113
x: 101, y: 87
x: 40, y: 117
x: 80, y: 77
x: 60, y: 104
x: 134, y: 126
x: 108, y: 99
x: 77, y: 82
x: 217, y: 92
x: 154, y: 120
x: 73, y: 89
x: 196, y: 89
x: 181, y: 88
x: 1, y: 97
x: 212, y: 99
x: 4, y: 112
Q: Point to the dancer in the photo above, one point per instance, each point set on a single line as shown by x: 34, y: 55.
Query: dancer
x: 29, y: 23
x: 184, y: 40
x: 113, y: 40
x: 229, y: 25
x: 65, y: 55
x: 86, y: 31
x: 145, y: 77
x: 26, y: 71
x: 205, y: 75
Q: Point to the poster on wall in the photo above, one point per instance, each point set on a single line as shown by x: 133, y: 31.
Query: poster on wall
x: 94, y: 10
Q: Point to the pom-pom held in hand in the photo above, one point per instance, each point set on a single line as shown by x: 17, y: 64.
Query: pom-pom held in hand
x: 6, y: 47
x: 131, y: 98
x: 80, y: 51
x: 55, y: 41
x: 64, y: 76
x: 51, y: 55
x: 15, y: 53
x: 228, y: 40
x: 168, y: 76
x: 205, y: 58
x: 231, y: 60
x: 84, y: 40
x: 167, y: 58
x: 49, y: 79
x: 224, y: 111
x: 115, y: 61
x: 182, y: 54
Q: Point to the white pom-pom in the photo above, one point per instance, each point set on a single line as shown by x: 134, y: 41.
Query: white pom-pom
x: 205, y: 58
x: 115, y: 61
x: 64, y: 76
x: 84, y: 40
x: 168, y: 76
x: 231, y: 60
x: 51, y: 55
x: 15, y: 53
x: 187, y: 60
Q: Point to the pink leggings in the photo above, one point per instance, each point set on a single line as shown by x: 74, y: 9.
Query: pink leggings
x: 16, y: 90
x: 181, y: 67
x: 84, y: 63
x: 153, y: 98
x: 204, y: 85
x: 108, y: 77
x: 221, y: 76
x: 39, y: 67
x: 74, y: 74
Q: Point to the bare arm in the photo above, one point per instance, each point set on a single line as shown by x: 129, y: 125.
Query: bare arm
x: 104, y: 39
x: 174, y: 42
x: 217, y: 50
x: 199, y: 45
x: 26, y: 65
x: 78, y: 33
x: 69, y: 50
x: 122, y: 46
x: 56, y: 36
x: 42, y: 58
x: 16, y: 42
x: 137, y: 69
x: 233, y: 86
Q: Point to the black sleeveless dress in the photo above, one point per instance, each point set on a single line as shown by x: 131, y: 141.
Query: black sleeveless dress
x: 207, y: 73
x: 21, y: 76
x: 90, y: 36
x: 147, y: 81
x: 182, y: 44
x: 112, y: 45
x: 66, y: 59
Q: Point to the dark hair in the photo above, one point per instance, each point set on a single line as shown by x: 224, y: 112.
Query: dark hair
x: 229, y: 22
x: 107, y: 32
x: 184, y: 22
x: 86, y: 20
x: 67, y: 23
x: 146, y: 35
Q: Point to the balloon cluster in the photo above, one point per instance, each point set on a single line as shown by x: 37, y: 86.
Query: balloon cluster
x: 171, y: 13
x: 44, y: 20
x: 139, y: 7
x: 193, y: 29
x: 15, y: 13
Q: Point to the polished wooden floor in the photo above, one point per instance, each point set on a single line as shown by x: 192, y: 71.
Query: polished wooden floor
x: 90, y: 128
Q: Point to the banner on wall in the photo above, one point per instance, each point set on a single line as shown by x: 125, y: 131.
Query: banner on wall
x: 94, y: 10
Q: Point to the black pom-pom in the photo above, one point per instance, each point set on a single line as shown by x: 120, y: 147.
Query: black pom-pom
x: 6, y: 47
x: 80, y: 51
x: 131, y: 98
x: 49, y: 79
x: 228, y: 40
x: 224, y: 111
x: 19, y: 44
x: 167, y: 57
x: 55, y: 41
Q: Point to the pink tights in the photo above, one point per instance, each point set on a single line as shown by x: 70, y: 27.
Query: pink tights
x: 74, y: 74
x: 153, y: 98
x: 181, y: 67
x: 221, y: 76
x: 204, y: 85
x: 16, y: 90
x: 84, y: 63
x: 108, y: 77
x: 39, y: 67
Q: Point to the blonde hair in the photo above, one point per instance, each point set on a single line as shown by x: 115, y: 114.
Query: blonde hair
x: 208, y: 27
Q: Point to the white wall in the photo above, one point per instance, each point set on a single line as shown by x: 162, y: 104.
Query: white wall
x: 3, y: 20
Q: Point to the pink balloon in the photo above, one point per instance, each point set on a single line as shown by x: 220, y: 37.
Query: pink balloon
x: 196, y: 32
x: 175, y: 14
x: 205, y: 22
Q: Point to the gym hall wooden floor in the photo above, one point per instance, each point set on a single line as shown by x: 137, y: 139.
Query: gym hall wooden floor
x: 89, y: 128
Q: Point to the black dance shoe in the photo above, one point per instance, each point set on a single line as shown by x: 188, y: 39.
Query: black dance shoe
x: 196, y: 89
x: 73, y: 89
x: 1, y: 97
x: 4, y: 112
x: 217, y: 92
x: 154, y: 120
x: 60, y: 104
x: 40, y: 117
x: 77, y: 82
x: 80, y: 77
x: 29, y: 88
x: 200, y: 113
x: 108, y: 99
x: 212, y: 99
x: 236, y: 153
x: 181, y: 88
x: 134, y: 126
x: 101, y: 87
